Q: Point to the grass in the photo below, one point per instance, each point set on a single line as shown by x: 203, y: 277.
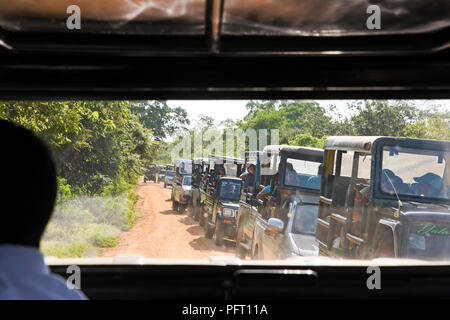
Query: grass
x: 81, y: 226
x: 65, y: 251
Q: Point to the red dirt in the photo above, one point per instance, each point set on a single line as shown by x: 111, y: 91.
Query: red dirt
x: 162, y: 233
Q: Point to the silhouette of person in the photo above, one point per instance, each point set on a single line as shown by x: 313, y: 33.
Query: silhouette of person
x: 27, y: 193
x: 249, y: 177
x: 429, y: 185
x: 291, y: 175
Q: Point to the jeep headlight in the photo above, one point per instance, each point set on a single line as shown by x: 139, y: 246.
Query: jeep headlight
x: 228, y: 212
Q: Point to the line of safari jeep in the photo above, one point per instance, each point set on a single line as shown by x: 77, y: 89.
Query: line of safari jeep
x: 358, y: 197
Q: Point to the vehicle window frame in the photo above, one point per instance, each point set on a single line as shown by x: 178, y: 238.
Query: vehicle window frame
x: 281, y: 178
x: 377, y: 165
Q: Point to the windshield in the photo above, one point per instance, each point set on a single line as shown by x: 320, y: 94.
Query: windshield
x: 305, y: 219
x: 107, y: 207
x: 230, y: 169
x: 187, y: 180
x: 230, y: 190
x: 428, y: 241
x: 415, y: 172
x: 185, y: 167
x: 303, y: 174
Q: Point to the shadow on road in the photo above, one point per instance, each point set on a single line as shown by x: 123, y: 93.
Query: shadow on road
x: 187, y: 220
x: 204, y: 244
x: 196, y: 230
x: 169, y: 212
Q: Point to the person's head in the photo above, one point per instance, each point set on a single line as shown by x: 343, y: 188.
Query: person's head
x: 429, y: 184
x: 320, y: 170
x: 291, y: 177
x: 251, y: 168
x: 222, y: 170
x: 28, y: 186
x: 289, y: 166
x: 389, y: 181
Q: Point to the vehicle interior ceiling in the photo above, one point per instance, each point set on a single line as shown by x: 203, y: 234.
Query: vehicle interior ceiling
x: 216, y: 49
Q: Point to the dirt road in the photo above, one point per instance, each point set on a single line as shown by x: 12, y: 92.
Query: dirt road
x: 162, y: 233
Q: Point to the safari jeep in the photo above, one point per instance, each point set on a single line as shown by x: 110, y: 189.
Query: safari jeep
x: 150, y: 174
x: 182, y: 193
x: 169, y: 174
x: 221, y: 208
x: 286, y: 227
x: 385, y: 197
x: 218, y: 197
x: 168, y: 178
x: 266, y: 166
x: 161, y: 173
x: 181, y: 185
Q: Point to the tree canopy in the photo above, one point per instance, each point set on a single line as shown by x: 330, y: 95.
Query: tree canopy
x: 95, y: 144
x: 160, y: 118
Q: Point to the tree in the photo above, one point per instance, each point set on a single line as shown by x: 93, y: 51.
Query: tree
x: 95, y: 144
x: 289, y: 117
x: 307, y: 140
x: 432, y: 124
x: 382, y: 118
x: 160, y: 118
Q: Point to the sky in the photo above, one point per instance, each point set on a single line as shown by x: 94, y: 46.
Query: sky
x: 235, y: 109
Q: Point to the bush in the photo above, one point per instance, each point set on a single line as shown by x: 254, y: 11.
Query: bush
x: 104, y: 241
x: 64, y: 190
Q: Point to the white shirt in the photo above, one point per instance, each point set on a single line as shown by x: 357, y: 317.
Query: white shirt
x: 24, y: 275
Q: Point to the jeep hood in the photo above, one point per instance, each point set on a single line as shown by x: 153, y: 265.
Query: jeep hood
x: 304, y: 245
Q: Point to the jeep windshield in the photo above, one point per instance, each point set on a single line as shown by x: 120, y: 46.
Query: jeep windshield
x: 230, y: 191
x: 417, y: 173
x: 303, y: 174
x: 305, y: 219
x: 187, y: 180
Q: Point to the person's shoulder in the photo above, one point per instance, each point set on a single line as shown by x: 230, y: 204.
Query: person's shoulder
x: 56, y: 287
x: 39, y: 287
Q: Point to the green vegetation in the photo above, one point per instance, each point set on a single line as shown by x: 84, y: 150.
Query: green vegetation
x: 100, y: 149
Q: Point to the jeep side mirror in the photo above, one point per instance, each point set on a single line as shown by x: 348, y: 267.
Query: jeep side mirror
x: 274, y: 226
